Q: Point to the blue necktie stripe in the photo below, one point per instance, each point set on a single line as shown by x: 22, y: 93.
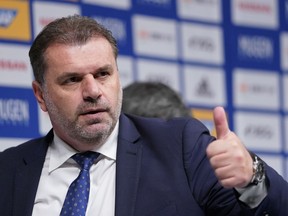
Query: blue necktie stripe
x: 78, y: 193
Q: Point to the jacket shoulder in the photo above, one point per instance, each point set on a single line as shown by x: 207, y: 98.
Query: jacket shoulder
x: 28, y: 148
x: 173, y: 125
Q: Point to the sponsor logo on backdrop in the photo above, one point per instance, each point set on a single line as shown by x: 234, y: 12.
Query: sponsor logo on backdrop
x: 259, y: 131
x: 203, y: 10
x: 284, y: 50
x: 202, y: 43
x: 17, y: 112
x: 255, y: 48
x: 43, y: 16
x: 162, y: 4
x: 155, y: 37
x: 256, y: 88
x: 119, y: 4
x: 116, y: 26
x: 15, y: 67
x: 255, y: 13
x: 252, y: 92
x: 7, y: 16
x: 146, y: 35
x: 15, y: 20
x: 204, y: 86
x: 162, y: 71
x: 14, y: 112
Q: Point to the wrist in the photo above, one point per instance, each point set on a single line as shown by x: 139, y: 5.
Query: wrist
x: 258, y: 170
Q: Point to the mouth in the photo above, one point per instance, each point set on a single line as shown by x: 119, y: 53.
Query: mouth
x: 93, y: 111
x: 93, y: 116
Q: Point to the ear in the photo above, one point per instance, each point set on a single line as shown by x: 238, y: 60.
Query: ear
x: 38, y: 92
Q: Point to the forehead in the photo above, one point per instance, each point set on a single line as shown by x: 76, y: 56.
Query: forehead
x: 63, y: 60
x: 94, y: 44
x: 97, y: 51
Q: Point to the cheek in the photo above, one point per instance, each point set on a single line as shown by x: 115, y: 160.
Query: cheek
x: 68, y: 105
x: 61, y: 102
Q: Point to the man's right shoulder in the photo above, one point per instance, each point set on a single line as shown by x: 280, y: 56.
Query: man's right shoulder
x: 36, y: 144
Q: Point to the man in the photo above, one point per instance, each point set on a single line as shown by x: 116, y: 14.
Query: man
x: 153, y: 99
x: 145, y: 167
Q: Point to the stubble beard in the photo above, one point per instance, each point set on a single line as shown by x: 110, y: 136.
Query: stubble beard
x: 76, y: 131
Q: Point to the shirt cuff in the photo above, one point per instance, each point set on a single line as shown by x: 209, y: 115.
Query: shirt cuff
x: 253, y: 194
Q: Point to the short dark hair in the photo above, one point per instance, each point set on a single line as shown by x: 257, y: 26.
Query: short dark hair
x: 68, y: 30
x: 153, y: 99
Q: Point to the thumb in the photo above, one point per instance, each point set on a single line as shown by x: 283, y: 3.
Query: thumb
x: 220, y: 122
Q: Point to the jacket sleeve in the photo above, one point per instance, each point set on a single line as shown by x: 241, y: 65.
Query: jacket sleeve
x: 276, y: 201
x: 211, y: 196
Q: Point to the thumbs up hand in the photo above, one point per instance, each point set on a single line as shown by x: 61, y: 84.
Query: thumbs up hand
x: 229, y: 158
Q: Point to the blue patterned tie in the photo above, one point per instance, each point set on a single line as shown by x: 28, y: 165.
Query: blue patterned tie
x: 78, y: 193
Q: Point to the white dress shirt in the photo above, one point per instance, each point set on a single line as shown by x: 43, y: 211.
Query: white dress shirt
x: 59, y: 171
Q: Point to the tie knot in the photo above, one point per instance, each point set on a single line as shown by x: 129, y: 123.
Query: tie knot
x: 85, y: 159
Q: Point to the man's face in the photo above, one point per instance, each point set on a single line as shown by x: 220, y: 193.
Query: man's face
x: 81, y: 92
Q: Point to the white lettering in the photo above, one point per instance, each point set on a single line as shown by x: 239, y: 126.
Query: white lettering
x: 14, y: 112
x: 6, y: 17
x: 255, y: 47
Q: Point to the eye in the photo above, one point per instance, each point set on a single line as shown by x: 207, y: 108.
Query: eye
x: 73, y: 79
x: 102, y: 74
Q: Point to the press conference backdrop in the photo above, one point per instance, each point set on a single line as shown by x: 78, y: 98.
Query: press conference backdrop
x: 232, y: 53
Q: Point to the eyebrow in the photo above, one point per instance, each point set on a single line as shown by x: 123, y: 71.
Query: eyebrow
x: 66, y: 74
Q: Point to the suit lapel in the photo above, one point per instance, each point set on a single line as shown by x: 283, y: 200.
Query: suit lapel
x: 129, y: 151
x: 27, y: 177
x: 128, y: 163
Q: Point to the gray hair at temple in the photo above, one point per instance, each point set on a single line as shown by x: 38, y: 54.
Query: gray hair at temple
x: 70, y: 30
x: 153, y: 99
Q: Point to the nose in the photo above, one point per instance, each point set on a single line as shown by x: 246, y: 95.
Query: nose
x: 91, y: 90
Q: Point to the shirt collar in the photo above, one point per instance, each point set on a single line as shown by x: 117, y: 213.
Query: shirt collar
x: 59, y: 151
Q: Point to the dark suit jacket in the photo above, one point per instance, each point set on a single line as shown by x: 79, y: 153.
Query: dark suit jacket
x: 161, y: 170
